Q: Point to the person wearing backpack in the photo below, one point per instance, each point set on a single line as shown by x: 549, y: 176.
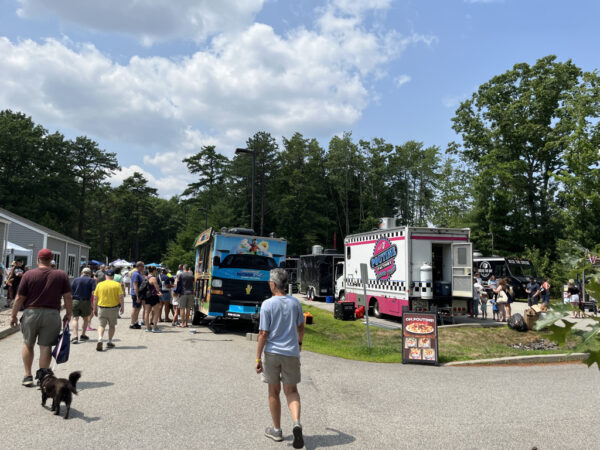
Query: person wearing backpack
x: 150, y: 292
x: 165, y: 295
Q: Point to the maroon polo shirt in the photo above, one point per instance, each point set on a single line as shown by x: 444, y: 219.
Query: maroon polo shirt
x: 44, y: 287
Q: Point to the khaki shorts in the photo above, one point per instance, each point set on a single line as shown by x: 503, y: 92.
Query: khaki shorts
x: 41, y: 323
x: 108, y: 315
x: 280, y: 368
x: 186, y: 301
x: 82, y: 308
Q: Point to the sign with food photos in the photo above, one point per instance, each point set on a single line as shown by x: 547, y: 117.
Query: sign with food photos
x: 419, y: 338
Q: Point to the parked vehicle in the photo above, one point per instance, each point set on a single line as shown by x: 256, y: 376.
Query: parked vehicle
x: 422, y: 269
x: 516, y: 270
x: 232, y: 272
x: 317, y: 273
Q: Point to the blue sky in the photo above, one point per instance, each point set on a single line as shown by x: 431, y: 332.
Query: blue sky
x: 154, y: 80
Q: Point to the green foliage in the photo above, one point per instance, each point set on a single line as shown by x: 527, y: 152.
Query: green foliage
x: 518, y: 131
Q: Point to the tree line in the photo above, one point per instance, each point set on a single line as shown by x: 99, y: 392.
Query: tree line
x: 523, y: 175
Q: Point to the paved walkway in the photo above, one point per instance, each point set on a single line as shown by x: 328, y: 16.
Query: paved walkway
x: 199, y: 391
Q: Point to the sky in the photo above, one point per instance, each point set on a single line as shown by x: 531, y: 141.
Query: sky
x: 156, y: 80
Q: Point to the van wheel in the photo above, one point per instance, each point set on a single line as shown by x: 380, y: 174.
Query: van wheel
x: 376, y: 311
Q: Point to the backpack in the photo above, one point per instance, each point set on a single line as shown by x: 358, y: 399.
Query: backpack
x: 165, y: 283
x: 144, y: 292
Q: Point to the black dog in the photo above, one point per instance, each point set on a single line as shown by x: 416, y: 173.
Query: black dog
x: 59, y: 389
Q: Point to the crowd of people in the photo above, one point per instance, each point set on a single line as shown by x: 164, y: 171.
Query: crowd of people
x: 101, y: 294
x: 501, y: 295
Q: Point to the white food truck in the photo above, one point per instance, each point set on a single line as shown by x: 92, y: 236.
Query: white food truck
x: 422, y: 269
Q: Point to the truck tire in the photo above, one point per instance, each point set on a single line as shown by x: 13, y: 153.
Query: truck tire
x: 376, y: 311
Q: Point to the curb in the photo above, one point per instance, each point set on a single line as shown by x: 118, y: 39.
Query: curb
x: 8, y: 331
x: 560, y: 357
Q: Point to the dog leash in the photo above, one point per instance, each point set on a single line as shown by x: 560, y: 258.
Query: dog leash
x: 59, y: 346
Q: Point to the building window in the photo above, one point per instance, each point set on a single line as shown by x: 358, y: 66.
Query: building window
x: 56, y: 258
x: 71, y: 265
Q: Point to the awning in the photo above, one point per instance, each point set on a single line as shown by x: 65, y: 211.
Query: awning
x: 14, y: 249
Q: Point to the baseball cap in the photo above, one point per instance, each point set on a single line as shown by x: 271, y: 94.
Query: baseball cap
x: 86, y: 270
x: 110, y: 273
x: 45, y: 253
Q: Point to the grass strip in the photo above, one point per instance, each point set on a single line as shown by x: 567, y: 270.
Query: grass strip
x: 348, y: 340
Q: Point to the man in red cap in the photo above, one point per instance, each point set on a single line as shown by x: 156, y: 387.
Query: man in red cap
x: 39, y: 293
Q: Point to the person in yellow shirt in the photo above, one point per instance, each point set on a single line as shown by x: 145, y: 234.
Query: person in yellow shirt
x: 109, y: 302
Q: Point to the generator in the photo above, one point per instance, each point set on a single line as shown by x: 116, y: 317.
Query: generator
x: 344, y: 310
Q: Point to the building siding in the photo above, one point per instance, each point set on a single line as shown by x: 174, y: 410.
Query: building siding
x: 57, y: 246
x: 30, y: 235
x: 26, y: 238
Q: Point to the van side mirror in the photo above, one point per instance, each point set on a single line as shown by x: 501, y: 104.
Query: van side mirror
x: 216, y: 261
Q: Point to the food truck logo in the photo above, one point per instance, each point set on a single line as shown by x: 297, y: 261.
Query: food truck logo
x: 383, y: 261
x: 485, y: 269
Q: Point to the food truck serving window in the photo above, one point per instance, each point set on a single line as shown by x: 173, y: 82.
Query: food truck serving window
x: 248, y: 262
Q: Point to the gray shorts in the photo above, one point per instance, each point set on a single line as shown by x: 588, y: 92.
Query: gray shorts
x: 108, y: 316
x: 280, y: 368
x: 186, y: 301
x: 41, y: 323
x: 82, y: 308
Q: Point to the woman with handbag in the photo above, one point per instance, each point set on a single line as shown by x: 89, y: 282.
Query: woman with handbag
x: 501, y: 300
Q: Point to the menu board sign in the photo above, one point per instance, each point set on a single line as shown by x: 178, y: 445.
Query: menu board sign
x: 419, y: 338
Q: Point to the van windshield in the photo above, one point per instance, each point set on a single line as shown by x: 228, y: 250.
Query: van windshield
x: 255, y: 262
x: 522, y: 270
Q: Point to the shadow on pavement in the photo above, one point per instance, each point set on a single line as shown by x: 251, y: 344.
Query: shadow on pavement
x: 128, y: 347
x: 327, y: 440
x: 75, y: 414
x: 82, y: 385
x: 208, y: 340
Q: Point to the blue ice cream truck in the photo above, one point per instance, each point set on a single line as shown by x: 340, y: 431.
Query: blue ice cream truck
x: 232, y: 272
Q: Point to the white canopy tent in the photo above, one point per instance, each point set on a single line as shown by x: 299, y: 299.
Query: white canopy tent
x: 14, y: 251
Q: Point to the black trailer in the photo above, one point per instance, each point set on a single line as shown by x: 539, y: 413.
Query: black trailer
x: 317, y: 270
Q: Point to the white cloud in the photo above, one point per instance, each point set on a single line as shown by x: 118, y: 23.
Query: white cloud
x: 452, y: 101
x: 315, y: 81
x: 356, y: 7
x: 169, y: 183
x: 402, y: 79
x: 151, y: 20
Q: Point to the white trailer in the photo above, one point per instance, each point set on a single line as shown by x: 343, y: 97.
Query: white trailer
x: 416, y: 267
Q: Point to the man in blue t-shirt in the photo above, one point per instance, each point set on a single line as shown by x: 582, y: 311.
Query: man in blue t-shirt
x: 82, y: 288
x: 280, y: 336
x: 137, y: 276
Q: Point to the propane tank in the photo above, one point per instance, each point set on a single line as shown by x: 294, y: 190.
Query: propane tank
x: 426, y: 284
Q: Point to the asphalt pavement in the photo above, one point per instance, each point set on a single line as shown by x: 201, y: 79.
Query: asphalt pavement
x: 199, y: 391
